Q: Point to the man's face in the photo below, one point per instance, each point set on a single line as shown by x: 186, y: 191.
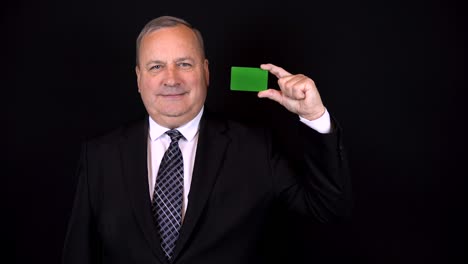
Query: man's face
x: 172, y: 75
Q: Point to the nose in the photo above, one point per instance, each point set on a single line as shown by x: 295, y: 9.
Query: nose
x: 172, y: 77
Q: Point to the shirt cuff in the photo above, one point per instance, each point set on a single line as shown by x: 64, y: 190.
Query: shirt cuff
x: 321, y: 124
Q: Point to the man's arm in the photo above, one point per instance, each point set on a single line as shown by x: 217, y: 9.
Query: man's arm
x: 80, y: 243
x: 325, y: 192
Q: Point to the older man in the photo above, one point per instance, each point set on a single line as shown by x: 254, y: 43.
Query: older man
x: 184, y: 186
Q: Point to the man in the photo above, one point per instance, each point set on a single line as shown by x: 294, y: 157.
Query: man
x: 225, y: 180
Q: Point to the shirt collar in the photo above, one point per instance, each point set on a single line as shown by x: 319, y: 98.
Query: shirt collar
x: 188, y: 130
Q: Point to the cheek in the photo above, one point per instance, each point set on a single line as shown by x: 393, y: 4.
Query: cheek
x: 200, y: 95
x: 146, y: 83
x: 146, y: 91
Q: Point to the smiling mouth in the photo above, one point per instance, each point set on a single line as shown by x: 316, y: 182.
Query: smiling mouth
x: 172, y: 92
x: 173, y: 95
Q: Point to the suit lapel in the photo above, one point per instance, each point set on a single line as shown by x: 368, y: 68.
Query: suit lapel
x: 133, y: 151
x: 212, y: 144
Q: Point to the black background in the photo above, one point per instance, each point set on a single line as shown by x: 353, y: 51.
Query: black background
x: 391, y: 72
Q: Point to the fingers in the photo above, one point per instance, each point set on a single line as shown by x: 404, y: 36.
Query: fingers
x: 292, y: 86
x: 297, y: 93
x: 297, y: 86
x: 271, y: 94
x: 277, y: 71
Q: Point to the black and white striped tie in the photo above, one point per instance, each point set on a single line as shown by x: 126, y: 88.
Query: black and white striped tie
x: 168, y: 193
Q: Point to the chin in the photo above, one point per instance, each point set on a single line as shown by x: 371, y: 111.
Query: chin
x: 174, y: 112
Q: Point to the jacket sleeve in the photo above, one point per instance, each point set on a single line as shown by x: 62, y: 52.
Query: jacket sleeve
x: 81, y: 243
x: 320, y: 185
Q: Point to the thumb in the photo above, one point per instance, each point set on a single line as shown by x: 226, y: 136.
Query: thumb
x: 271, y: 94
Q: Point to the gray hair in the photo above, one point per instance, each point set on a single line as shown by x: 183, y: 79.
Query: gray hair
x: 165, y: 22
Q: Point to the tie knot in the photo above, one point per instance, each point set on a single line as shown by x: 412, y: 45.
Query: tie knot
x: 174, y: 134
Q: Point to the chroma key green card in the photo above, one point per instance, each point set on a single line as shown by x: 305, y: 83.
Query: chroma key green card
x: 248, y: 79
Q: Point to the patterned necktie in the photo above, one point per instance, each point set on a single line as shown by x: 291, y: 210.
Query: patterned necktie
x: 168, y: 193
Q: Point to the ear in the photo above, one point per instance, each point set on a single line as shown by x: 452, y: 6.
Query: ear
x: 207, y: 72
x: 137, y: 71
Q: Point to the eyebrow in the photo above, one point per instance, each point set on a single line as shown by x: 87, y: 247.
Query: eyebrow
x: 177, y: 60
x: 185, y: 59
x: 154, y: 62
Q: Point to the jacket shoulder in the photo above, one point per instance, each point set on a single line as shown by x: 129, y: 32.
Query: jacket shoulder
x: 137, y: 127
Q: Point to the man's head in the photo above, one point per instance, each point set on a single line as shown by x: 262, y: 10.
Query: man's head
x: 172, y: 71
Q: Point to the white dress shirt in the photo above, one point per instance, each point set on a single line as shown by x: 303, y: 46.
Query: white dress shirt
x: 158, y: 142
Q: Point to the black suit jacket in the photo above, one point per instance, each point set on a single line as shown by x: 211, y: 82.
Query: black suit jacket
x: 239, y: 181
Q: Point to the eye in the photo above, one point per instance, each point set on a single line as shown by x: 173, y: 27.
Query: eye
x: 156, y: 67
x: 185, y: 65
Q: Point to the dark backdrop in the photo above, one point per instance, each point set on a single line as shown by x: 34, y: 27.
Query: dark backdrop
x: 392, y: 73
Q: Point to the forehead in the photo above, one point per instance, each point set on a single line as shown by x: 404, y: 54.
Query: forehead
x: 170, y: 41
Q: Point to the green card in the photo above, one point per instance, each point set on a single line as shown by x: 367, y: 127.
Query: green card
x: 248, y: 79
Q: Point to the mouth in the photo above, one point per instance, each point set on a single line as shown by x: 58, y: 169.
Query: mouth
x: 172, y: 92
x: 173, y: 95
